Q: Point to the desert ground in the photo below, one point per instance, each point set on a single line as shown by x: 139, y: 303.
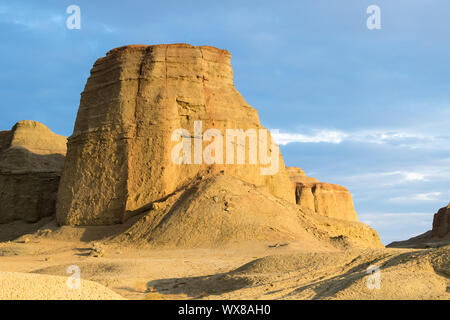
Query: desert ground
x: 253, y: 270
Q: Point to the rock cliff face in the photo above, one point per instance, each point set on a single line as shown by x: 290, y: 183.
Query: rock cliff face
x: 326, y: 199
x: 441, y: 222
x: 119, y: 157
x: 297, y: 175
x: 31, y: 160
x: 438, y: 236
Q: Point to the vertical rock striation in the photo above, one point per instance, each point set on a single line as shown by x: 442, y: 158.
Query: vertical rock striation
x: 326, y: 199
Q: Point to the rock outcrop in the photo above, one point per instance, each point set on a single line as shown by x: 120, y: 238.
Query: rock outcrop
x: 297, y: 175
x: 441, y: 222
x: 325, y: 199
x: 438, y: 236
x: 119, y: 157
x: 31, y: 161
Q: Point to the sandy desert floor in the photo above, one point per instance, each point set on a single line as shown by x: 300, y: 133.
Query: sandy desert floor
x: 254, y: 270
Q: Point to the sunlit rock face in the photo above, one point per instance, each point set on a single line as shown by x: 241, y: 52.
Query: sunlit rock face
x: 326, y: 199
x: 119, y: 156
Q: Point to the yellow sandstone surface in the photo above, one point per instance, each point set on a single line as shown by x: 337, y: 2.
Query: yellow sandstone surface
x: 119, y: 156
x: 325, y: 199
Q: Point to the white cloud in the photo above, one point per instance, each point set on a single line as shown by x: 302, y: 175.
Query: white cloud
x: 404, y: 176
x: 380, y: 220
x: 319, y: 136
x: 414, y: 176
x: 388, y: 178
x: 398, y: 226
x: 426, y: 196
x: 32, y: 18
x: 380, y: 136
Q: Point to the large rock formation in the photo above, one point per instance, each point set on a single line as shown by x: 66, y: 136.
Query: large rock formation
x: 441, y: 222
x: 119, y: 157
x: 326, y: 199
x: 31, y: 161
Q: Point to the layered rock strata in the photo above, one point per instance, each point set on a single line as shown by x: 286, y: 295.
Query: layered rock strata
x: 325, y: 199
x: 120, y: 156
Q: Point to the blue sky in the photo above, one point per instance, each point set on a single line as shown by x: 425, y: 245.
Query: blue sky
x: 368, y: 109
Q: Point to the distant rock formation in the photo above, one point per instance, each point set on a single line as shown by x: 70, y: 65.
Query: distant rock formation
x: 326, y: 199
x: 297, y: 175
x: 441, y: 222
x: 31, y: 161
x: 119, y: 156
x: 438, y: 236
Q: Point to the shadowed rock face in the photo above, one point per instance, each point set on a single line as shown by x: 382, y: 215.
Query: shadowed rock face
x: 438, y: 236
x: 326, y: 199
x: 119, y: 156
x: 441, y: 222
x: 31, y: 160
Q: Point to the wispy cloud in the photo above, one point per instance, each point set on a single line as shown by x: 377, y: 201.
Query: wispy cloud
x: 381, y: 220
x: 326, y: 136
x: 108, y: 28
x: 30, y: 18
x: 426, y: 196
x: 438, y: 173
x: 389, y: 178
x: 398, y: 138
x: 45, y: 19
x: 398, y: 226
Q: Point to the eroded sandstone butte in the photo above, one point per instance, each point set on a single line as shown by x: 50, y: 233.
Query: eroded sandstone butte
x: 441, y: 222
x: 31, y: 161
x: 325, y: 199
x: 119, y: 155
